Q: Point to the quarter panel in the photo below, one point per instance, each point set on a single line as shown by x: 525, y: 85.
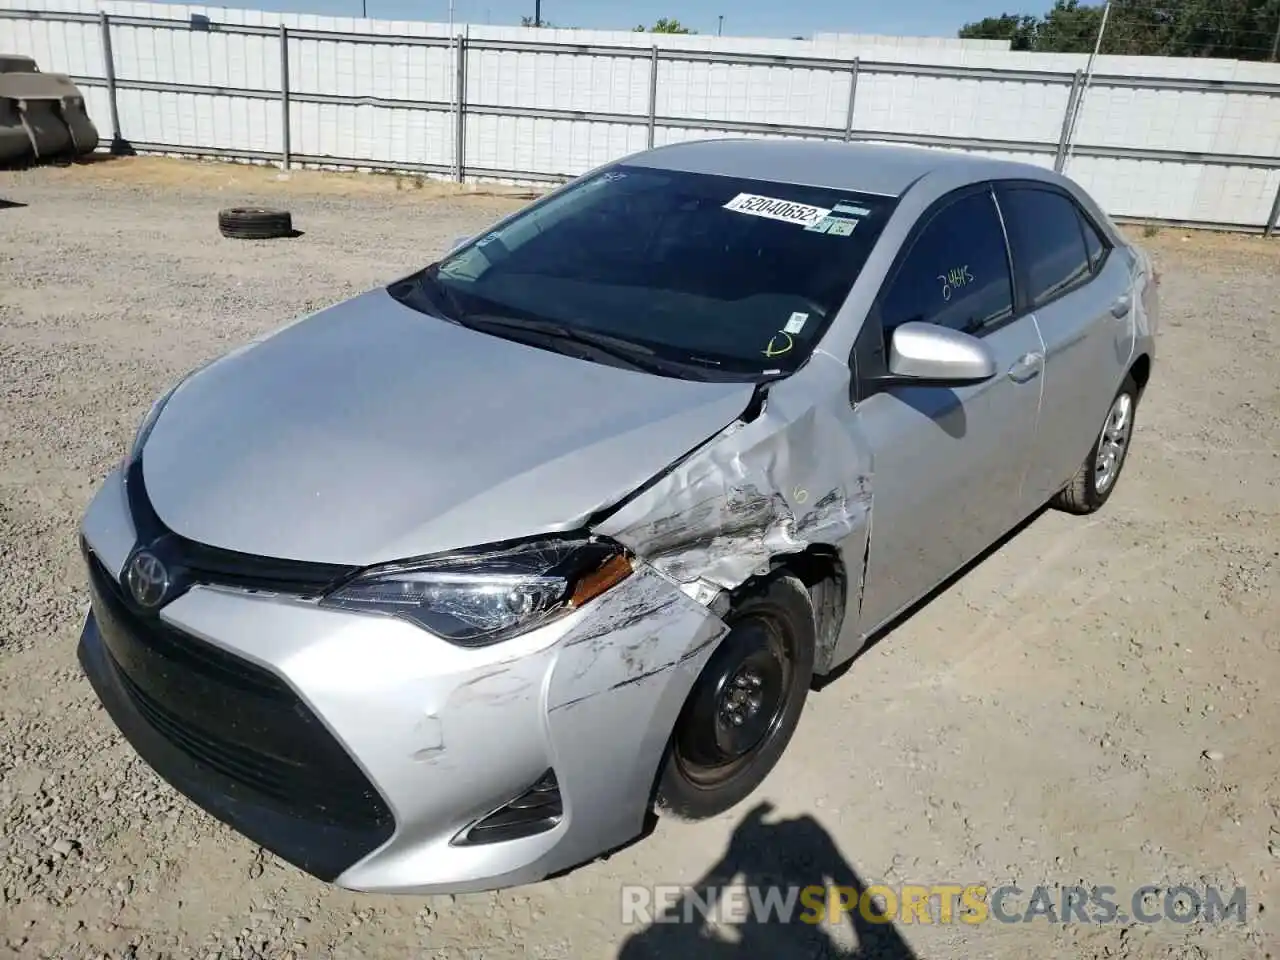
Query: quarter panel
x: 1087, y: 353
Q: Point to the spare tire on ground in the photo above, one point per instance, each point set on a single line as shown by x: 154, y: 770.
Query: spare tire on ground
x: 254, y: 223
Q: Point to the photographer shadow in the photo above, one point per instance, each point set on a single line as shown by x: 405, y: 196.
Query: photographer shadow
x: 787, y: 855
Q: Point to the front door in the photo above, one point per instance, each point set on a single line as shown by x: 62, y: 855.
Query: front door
x: 948, y: 463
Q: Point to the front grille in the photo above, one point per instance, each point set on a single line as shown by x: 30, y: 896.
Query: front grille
x: 239, y: 765
x: 233, y: 717
x: 197, y: 657
x: 194, y: 562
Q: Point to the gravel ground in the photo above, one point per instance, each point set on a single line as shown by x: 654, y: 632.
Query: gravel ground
x: 1089, y: 705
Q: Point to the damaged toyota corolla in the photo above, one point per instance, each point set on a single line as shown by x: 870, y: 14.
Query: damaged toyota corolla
x: 450, y: 586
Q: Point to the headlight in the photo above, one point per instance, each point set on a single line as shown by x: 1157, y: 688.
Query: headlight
x: 476, y: 598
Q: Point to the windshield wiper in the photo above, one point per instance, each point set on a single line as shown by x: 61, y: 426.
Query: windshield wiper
x: 636, y: 355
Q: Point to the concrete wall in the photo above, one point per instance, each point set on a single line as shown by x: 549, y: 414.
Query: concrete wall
x: 1179, y: 140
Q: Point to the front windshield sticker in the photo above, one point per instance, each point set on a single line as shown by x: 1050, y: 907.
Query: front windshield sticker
x: 780, y: 343
x: 850, y: 209
x: 836, y: 226
x: 774, y: 209
x: 796, y: 323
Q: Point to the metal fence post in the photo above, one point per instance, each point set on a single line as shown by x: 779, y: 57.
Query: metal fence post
x: 653, y: 94
x: 853, y: 99
x: 1275, y: 214
x: 1060, y: 160
x: 109, y: 61
x: 460, y: 133
x: 285, y: 136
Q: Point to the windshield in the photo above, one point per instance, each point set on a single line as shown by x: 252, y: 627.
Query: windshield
x: 712, y: 275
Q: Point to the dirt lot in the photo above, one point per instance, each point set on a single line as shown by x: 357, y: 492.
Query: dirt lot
x: 1093, y: 704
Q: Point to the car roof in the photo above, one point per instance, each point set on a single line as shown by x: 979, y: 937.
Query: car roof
x: 857, y: 167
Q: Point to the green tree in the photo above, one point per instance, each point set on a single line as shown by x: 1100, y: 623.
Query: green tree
x: 1069, y: 28
x: 665, y: 25
x: 1018, y: 28
x: 1232, y: 29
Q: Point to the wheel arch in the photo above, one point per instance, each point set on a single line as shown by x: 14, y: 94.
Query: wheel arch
x: 1140, y: 370
x: 822, y: 571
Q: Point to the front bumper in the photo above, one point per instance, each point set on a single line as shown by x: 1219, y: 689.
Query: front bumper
x: 359, y: 747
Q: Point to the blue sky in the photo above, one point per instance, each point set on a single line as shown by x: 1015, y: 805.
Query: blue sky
x: 742, y: 17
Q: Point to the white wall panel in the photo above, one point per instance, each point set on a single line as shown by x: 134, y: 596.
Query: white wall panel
x: 1211, y: 121
x: 373, y: 134
x: 960, y: 107
x: 197, y: 120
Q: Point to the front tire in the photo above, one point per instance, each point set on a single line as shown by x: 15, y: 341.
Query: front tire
x: 744, y: 706
x: 1097, y: 477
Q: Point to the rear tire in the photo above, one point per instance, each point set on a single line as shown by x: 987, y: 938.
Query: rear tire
x: 254, y: 223
x: 1097, y: 477
x: 744, y: 706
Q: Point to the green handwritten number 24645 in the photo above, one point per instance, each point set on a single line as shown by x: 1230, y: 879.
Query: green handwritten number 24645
x: 953, y: 278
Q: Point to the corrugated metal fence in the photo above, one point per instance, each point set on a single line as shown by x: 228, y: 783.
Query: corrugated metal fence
x: 1183, y: 141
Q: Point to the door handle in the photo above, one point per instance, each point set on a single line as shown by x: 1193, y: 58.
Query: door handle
x: 1120, y: 309
x: 1026, y: 367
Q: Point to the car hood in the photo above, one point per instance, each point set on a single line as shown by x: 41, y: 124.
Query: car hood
x: 371, y: 432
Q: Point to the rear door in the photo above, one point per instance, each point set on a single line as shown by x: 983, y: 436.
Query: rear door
x: 1079, y: 289
x: 948, y: 462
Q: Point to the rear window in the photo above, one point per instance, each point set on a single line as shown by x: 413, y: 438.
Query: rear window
x: 1093, y: 241
x: 739, y: 275
x: 1047, y: 241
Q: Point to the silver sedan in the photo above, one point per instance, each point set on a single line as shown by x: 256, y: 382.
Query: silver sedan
x: 448, y: 586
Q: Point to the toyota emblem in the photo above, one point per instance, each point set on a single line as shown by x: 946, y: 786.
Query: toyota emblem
x: 147, y: 579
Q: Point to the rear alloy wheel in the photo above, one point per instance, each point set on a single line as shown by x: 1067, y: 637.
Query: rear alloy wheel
x: 744, y: 706
x: 1094, y: 482
x: 254, y: 223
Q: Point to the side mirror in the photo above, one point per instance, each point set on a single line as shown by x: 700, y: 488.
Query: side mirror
x: 925, y: 354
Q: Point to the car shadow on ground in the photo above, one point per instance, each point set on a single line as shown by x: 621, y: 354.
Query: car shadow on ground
x: 785, y: 856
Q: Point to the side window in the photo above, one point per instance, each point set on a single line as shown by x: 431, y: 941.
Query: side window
x: 1044, y: 228
x: 956, y: 273
x: 1093, y: 242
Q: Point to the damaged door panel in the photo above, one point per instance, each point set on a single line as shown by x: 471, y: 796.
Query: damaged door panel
x: 797, y: 476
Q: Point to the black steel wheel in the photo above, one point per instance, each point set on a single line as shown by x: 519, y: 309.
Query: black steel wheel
x: 745, y: 704
x: 255, y: 223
